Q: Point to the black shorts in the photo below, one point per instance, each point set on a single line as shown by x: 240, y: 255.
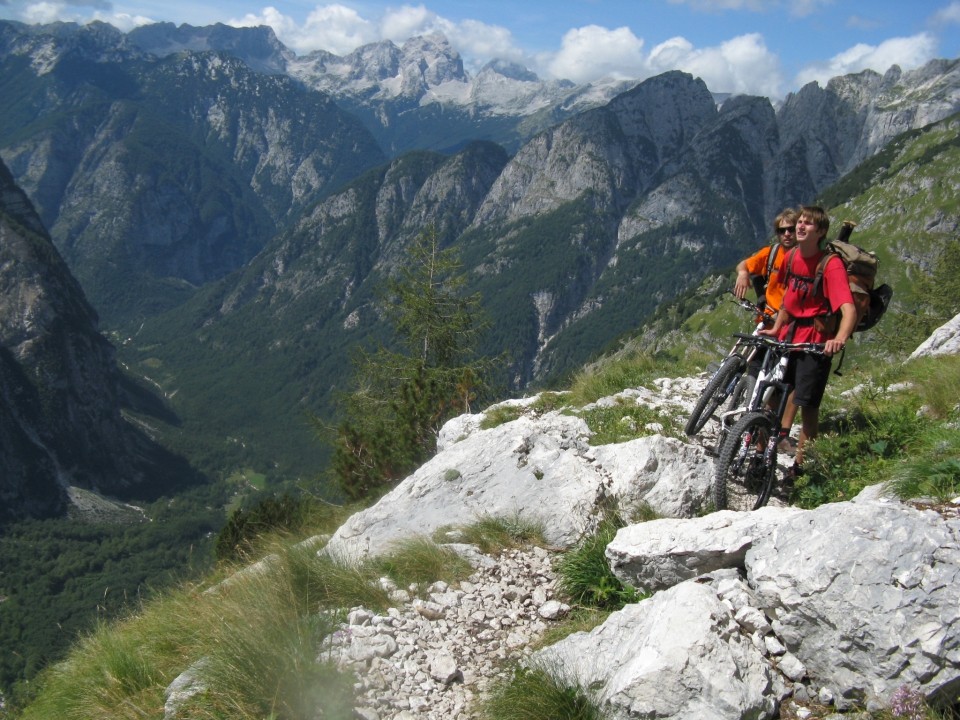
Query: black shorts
x: 808, y: 373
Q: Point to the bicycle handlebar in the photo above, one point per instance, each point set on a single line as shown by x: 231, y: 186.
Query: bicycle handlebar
x: 752, y: 307
x: 785, y: 346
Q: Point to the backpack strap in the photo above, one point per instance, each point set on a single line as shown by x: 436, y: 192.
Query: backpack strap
x: 771, y: 259
x: 815, y: 281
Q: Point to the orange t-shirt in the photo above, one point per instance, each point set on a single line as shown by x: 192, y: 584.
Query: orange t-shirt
x: 756, y: 264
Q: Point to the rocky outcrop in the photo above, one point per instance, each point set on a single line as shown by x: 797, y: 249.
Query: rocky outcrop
x: 540, y: 468
x: 747, y: 613
x: 945, y: 340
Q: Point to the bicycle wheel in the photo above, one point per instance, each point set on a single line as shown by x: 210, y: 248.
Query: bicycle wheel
x: 743, y: 391
x: 747, y: 464
x: 716, y: 391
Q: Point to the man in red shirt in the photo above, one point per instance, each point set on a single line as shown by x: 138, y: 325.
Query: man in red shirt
x: 806, y: 315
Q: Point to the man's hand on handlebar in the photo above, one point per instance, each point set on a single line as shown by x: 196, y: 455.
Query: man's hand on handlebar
x: 832, y: 347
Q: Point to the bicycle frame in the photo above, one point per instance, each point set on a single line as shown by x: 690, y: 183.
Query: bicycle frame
x: 764, y: 322
x: 770, y: 378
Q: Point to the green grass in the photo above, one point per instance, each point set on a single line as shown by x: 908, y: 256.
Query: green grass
x: 585, y: 575
x: 627, y: 421
x: 418, y: 561
x: 538, y: 694
x: 899, y: 429
x: 253, y: 636
x: 494, y: 534
x: 611, y: 377
x: 500, y: 415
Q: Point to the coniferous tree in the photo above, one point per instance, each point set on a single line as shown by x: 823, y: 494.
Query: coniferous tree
x: 404, y: 394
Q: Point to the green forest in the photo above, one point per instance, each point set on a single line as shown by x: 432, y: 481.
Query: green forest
x: 60, y: 577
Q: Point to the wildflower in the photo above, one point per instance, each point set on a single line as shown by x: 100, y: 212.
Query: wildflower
x: 907, y: 703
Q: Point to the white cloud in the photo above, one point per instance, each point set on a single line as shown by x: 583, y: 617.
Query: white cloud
x: 42, y: 12
x: 949, y: 15
x: 907, y: 52
x: 473, y: 39
x: 741, y: 65
x: 476, y: 39
x: 123, y: 21
x: 592, y: 52
x: 335, y: 28
x: 409, y: 21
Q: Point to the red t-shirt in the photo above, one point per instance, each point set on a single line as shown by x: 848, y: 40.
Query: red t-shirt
x: 799, y: 299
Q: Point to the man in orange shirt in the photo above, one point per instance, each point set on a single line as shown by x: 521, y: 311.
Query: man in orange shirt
x: 760, y: 263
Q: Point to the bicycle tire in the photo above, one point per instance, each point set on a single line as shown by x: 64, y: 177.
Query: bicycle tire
x: 714, y: 393
x: 747, y: 463
x: 743, y: 391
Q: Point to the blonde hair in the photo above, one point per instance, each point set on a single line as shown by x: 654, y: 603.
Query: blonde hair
x: 787, y: 214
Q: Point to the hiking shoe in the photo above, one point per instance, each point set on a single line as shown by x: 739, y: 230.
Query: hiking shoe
x: 787, y: 446
x: 794, y: 472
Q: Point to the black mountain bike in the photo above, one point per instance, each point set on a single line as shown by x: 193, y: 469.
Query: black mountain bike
x: 746, y: 461
x: 731, y: 380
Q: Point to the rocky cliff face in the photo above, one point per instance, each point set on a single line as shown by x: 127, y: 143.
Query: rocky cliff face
x: 194, y: 161
x: 60, y: 418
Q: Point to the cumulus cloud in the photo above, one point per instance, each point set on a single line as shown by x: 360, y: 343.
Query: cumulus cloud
x: 741, y: 65
x: 79, y: 11
x: 340, y: 30
x: 907, y: 52
x: 475, y: 40
x: 592, y: 52
x: 335, y: 28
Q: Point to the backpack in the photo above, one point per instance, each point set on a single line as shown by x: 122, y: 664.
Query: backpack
x: 870, y: 302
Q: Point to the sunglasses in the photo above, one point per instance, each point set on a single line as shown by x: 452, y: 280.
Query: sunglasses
x: 785, y: 230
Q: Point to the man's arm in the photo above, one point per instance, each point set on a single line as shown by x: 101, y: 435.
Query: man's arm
x: 782, y: 318
x: 743, y: 280
x: 848, y: 321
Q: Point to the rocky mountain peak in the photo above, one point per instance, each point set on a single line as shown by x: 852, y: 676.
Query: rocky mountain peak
x: 510, y: 70
x: 257, y: 46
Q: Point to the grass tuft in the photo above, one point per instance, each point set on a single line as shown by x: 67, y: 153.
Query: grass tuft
x: 585, y: 575
x: 595, y: 382
x: 536, y: 694
x: 420, y: 560
x: 494, y: 534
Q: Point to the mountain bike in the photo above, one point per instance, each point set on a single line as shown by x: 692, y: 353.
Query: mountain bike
x: 746, y: 461
x: 729, y: 380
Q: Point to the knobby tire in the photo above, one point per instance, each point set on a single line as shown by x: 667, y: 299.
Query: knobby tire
x: 743, y: 391
x: 747, y: 464
x: 714, y: 393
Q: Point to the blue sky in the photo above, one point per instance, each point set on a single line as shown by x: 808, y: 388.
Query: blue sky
x: 764, y: 47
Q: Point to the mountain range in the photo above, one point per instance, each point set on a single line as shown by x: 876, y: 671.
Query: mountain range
x: 231, y: 210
